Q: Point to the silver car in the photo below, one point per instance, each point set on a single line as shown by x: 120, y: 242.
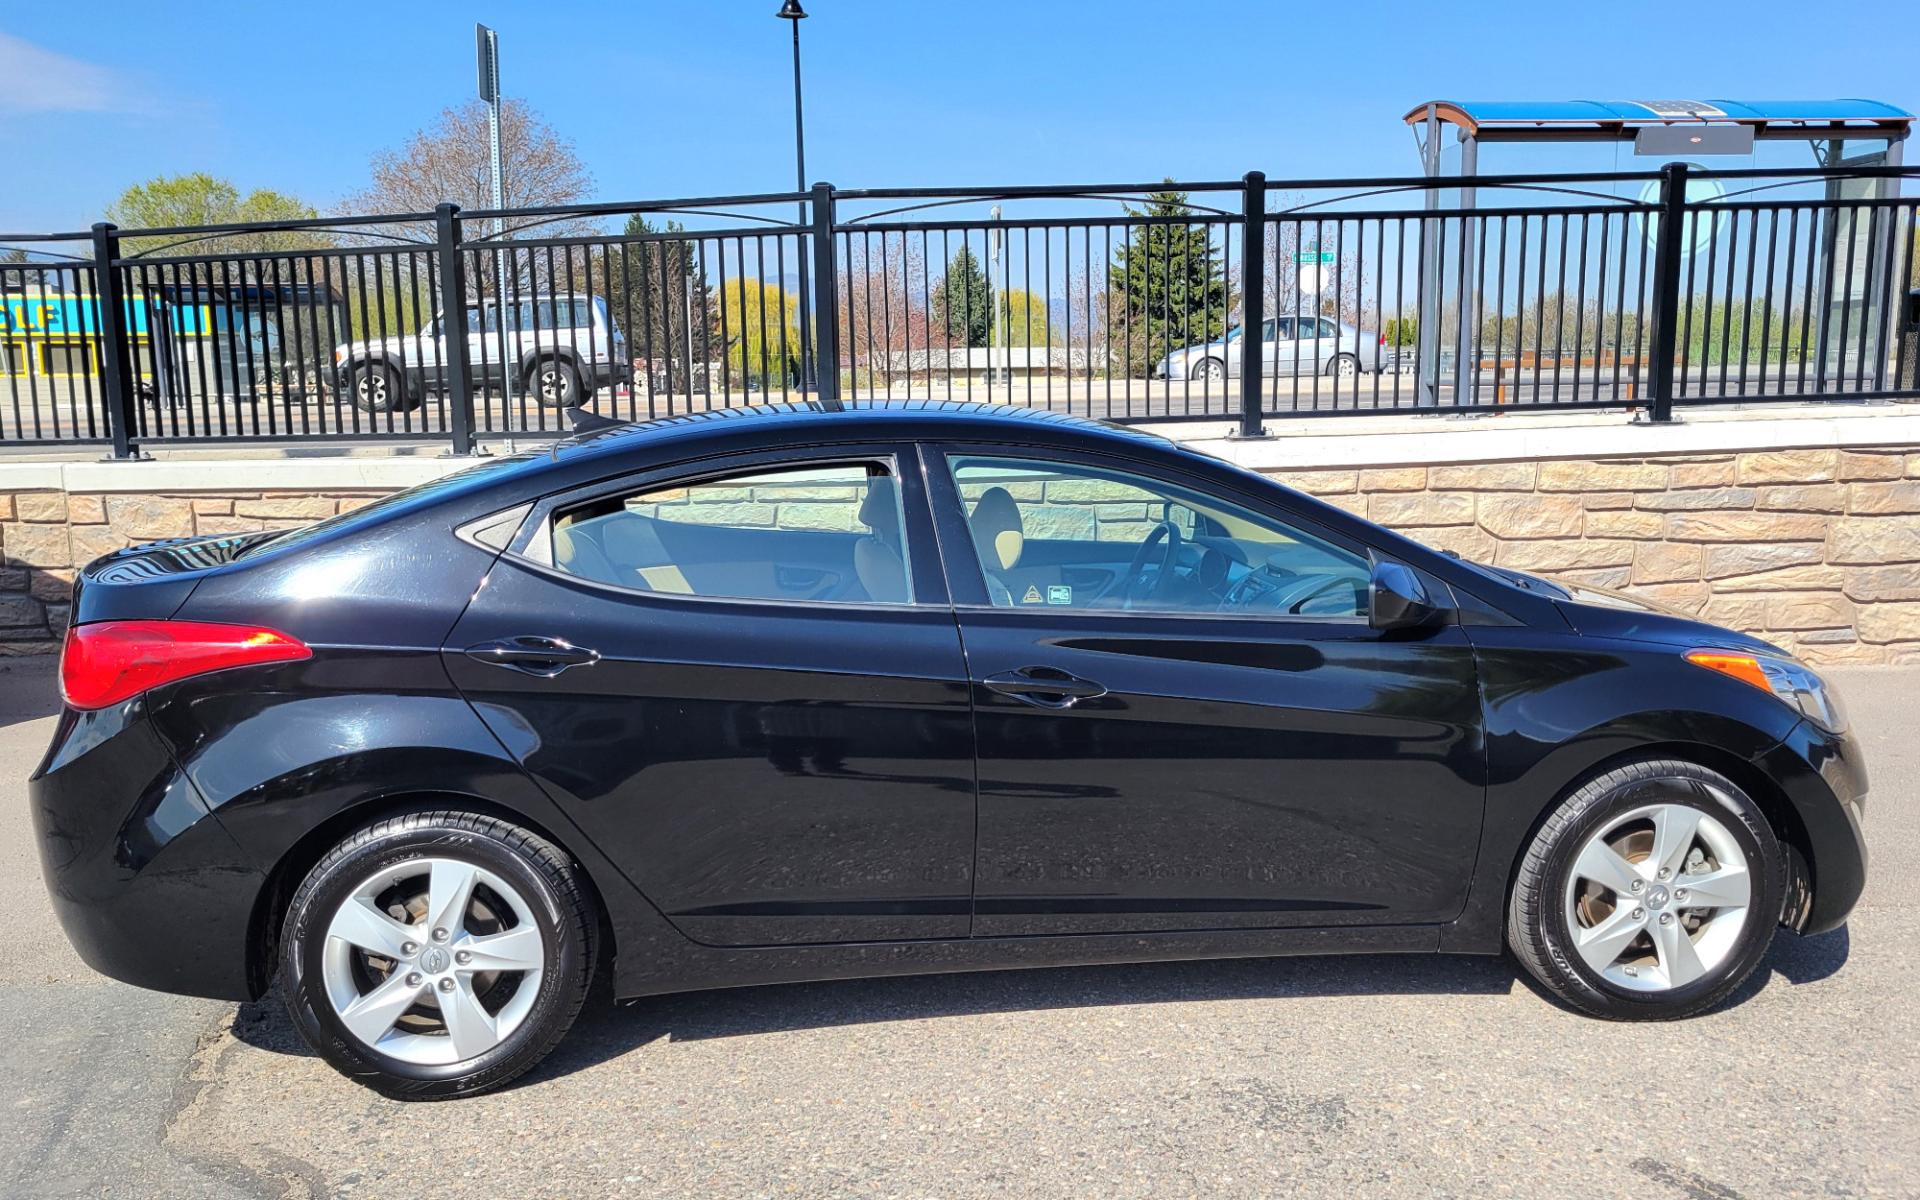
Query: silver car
x: 1288, y: 346
x: 560, y: 349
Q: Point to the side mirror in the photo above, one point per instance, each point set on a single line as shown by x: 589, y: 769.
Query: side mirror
x: 1397, y: 599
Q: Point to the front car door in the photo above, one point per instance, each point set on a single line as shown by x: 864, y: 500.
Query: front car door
x: 1184, y: 720
x: 742, y: 679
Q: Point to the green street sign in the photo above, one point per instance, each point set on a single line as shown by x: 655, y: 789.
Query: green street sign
x: 1322, y: 257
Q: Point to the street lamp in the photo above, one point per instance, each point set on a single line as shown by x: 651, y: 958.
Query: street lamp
x: 791, y: 11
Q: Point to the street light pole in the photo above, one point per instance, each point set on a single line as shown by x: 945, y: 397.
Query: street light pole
x: 791, y: 12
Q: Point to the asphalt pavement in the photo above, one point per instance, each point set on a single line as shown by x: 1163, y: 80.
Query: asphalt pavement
x: 1338, y: 1077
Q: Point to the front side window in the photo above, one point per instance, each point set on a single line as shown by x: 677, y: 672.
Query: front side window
x: 819, y: 532
x: 1063, y: 535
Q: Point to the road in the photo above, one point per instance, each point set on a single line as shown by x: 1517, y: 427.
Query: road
x: 1336, y: 1077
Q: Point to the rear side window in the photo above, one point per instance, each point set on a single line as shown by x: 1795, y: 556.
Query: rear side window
x: 825, y: 533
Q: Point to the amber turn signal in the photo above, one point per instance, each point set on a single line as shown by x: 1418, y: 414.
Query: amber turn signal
x: 1744, y: 667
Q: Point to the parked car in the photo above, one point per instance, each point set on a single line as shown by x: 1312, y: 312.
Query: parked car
x: 1288, y: 346
x: 770, y: 695
x: 559, y: 349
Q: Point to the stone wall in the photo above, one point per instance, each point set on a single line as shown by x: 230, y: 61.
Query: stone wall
x: 1815, y: 549
x: 46, y: 535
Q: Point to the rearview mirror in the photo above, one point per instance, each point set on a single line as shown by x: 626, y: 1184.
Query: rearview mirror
x: 1398, y: 598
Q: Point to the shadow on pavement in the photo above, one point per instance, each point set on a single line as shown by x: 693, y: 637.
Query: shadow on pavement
x: 606, y: 1031
x: 29, y: 688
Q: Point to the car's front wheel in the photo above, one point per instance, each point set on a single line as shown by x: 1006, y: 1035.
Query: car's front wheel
x: 1651, y: 892
x: 437, y: 954
x: 378, y: 388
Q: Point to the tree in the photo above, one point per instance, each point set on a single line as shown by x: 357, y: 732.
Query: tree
x: 1170, y: 287
x: 963, y: 302
x: 759, y: 320
x: 657, y: 292
x: 202, y: 199
x: 1023, y: 320
x: 449, y: 161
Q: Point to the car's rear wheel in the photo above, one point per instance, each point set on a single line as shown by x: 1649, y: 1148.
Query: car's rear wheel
x: 555, y: 383
x: 437, y: 954
x: 1345, y: 366
x: 1209, y: 371
x: 1650, y: 893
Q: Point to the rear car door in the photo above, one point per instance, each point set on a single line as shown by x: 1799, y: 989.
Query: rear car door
x: 1210, y: 736
x: 742, y: 678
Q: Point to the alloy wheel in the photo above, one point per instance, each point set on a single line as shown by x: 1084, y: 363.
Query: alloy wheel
x: 433, y: 961
x: 1657, y: 897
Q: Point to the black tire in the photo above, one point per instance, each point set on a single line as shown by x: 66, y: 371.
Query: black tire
x: 1337, y: 361
x: 555, y: 383
x: 378, y: 388
x: 561, y: 908
x: 1210, y: 370
x: 1537, y: 922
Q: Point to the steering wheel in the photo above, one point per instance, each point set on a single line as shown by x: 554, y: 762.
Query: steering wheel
x: 1165, y: 531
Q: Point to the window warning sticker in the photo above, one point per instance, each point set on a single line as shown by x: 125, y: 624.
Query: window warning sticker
x: 1032, y: 596
x: 1059, y: 593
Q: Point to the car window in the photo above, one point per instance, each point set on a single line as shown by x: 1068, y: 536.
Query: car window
x: 1056, y: 534
x: 817, y: 532
x: 1328, y: 328
x: 1285, y: 327
x: 548, y: 313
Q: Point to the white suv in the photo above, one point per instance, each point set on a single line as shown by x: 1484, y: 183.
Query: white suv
x: 559, y: 349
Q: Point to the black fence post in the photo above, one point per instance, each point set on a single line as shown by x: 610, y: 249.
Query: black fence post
x: 1253, y: 288
x: 1666, y: 289
x: 455, y: 371
x: 826, y: 290
x: 117, y: 388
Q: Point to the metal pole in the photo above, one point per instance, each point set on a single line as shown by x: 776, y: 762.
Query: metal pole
x: 1666, y: 288
x: 809, y: 365
x: 116, y: 364
x: 994, y: 310
x: 1427, y: 332
x: 827, y: 357
x: 1880, y: 297
x: 1253, y: 255
x: 453, y: 327
x: 1466, y: 367
x: 490, y: 92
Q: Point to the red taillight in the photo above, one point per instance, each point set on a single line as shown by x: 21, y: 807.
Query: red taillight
x: 110, y: 661
x: 1383, y: 339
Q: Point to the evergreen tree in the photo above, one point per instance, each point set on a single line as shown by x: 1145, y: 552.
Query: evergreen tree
x: 963, y: 302
x: 659, y: 287
x: 1169, y: 286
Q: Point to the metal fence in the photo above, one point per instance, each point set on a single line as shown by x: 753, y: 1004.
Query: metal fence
x: 1239, y: 301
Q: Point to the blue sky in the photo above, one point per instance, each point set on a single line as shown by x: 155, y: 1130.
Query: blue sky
x: 694, y: 98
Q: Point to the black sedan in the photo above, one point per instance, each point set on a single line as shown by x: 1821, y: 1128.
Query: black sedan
x: 773, y: 695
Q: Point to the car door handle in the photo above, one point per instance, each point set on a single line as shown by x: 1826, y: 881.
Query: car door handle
x: 1044, y: 687
x: 533, y: 654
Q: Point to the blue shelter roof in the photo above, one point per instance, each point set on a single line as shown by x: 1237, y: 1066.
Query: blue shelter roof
x: 1471, y: 115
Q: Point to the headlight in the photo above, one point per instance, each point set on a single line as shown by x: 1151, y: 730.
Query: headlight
x: 1793, y: 681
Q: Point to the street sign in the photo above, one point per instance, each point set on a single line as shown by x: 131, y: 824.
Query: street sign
x: 1309, y: 278
x: 1313, y: 255
x: 487, y: 62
